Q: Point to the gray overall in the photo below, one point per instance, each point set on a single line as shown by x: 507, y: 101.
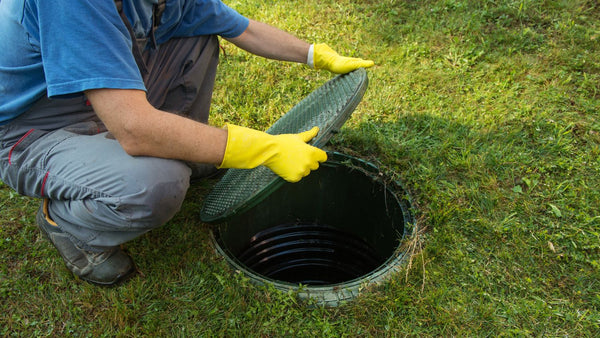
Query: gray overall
x: 99, y: 194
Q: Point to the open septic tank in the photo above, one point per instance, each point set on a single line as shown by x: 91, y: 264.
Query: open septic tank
x: 329, y: 235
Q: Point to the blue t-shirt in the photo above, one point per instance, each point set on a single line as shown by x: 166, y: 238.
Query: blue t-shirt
x: 64, y: 47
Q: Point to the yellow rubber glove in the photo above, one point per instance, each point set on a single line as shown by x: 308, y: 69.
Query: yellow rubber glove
x: 287, y: 155
x: 326, y: 58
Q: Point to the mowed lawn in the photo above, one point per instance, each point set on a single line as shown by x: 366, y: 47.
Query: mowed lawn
x: 487, y: 111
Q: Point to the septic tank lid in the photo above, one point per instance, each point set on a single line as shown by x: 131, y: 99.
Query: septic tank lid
x: 328, y: 107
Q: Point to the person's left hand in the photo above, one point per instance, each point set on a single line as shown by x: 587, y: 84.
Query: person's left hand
x: 326, y: 58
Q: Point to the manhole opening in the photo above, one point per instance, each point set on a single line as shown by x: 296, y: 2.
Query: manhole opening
x: 326, y: 237
x: 340, y: 225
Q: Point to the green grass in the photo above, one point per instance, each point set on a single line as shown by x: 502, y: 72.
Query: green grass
x: 488, y: 111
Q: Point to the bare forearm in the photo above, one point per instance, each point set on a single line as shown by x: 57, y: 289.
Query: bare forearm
x: 143, y: 130
x: 273, y: 43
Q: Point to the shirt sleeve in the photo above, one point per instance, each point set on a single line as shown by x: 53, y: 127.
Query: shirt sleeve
x: 200, y: 17
x: 85, y: 45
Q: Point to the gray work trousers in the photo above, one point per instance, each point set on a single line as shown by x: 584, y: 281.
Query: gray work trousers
x: 100, y: 195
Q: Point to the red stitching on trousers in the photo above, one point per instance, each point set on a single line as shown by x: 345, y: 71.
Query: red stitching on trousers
x: 15, y: 145
x: 44, y: 184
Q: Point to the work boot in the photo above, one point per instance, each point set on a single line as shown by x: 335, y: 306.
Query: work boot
x: 107, y: 266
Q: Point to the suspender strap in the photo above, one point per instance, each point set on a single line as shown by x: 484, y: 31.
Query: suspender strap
x: 157, y: 12
x: 135, y: 48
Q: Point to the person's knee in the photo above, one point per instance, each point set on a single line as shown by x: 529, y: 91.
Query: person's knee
x: 158, y: 198
x: 161, y: 202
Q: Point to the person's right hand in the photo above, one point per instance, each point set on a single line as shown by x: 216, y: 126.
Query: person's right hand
x: 287, y: 155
